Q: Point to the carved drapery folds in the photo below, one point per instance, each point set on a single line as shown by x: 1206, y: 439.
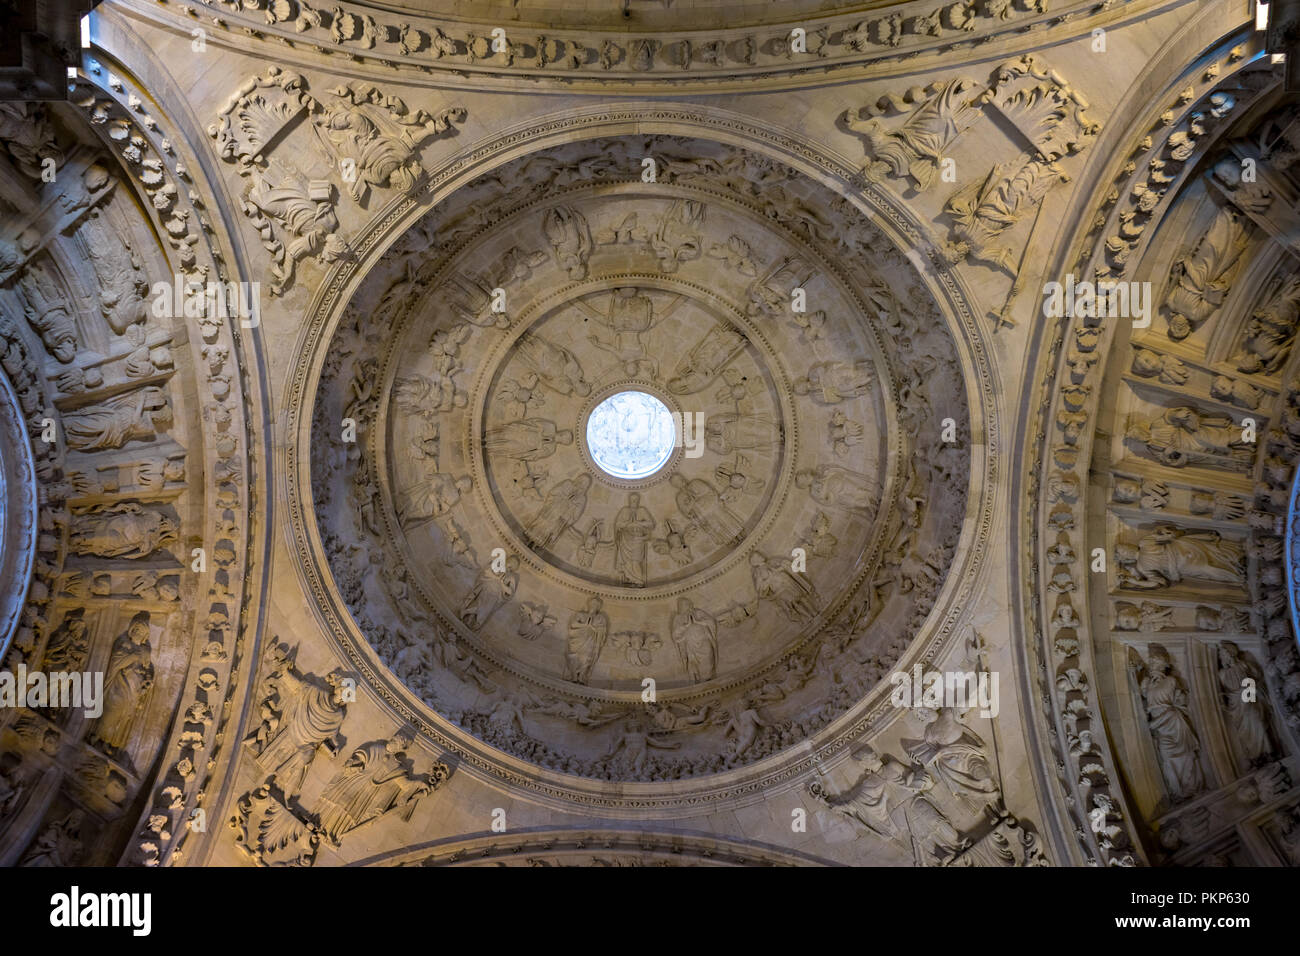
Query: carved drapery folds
x: 1034, y: 100
x: 940, y: 804
x: 301, y: 718
x: 107, y: 418
x: 1185, y: 552
x: 363, y: 140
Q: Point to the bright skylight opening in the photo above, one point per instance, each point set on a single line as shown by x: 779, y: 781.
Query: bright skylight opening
x: 631, y: 435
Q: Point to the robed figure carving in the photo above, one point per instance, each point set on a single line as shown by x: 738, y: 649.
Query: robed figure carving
x: 127, y: 681
x: 299, y: 716
x: 374, y: 781
x: 695, y: 632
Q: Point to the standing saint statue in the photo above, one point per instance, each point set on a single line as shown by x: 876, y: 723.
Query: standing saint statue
x: 563, y: 506
x: 528, y: 439
x: 726, y: 432
x: 702, y: 506
x: 127, y: 681
x: 633, y: 526
x: 1200, y: 280
x: 588, y: 630
x: 695, y: 632
x: 1248, y: 713
x: 1169, y: 718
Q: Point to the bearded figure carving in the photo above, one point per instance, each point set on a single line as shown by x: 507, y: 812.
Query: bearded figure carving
x: 300, y: 716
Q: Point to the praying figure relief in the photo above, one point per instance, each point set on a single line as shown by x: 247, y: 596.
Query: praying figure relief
x: 1169, y: 719
x: 633, y: 526
x: 300, y: 715
x: 1184, y: 436
x: 1166, y: 556
x: 1246, y: 700
x: 374, y: 781
x: 127, y: 681
x: 695, y: 633
x: 588, y: 630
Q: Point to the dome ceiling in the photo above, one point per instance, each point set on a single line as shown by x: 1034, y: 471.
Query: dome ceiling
x: 751, y: 588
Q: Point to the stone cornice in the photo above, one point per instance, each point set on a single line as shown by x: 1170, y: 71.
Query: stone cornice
x: 883, y: 41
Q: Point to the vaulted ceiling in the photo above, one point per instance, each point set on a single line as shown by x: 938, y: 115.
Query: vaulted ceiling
x: 345, y: 543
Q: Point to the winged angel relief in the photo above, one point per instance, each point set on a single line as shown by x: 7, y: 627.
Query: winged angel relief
x: 366, y: 140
